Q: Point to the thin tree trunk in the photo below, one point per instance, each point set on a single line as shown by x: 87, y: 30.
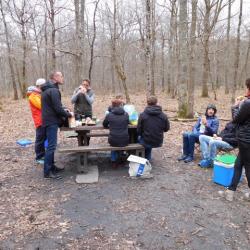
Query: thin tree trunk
x: 93, y: 41
x: 183, y: 42
x: 77, y: 35
x: 148, y: 47
x: 228, y: 48
x: 46, y: 64
x: 12, y: 72
x: 162, y: 64
x: 82, y: 38
x: 237, y: 54
x: 192, y: 41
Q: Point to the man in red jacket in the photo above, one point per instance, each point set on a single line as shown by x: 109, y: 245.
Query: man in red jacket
x: 34, y: 97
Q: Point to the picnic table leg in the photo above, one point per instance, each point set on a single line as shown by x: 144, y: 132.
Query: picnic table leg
x: 82, y: 163
x: 82, y: 138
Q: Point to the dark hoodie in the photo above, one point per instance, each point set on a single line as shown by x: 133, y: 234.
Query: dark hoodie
x: 242, y: 120
x: 152, y: 124
x: 228, y: 134
x: 52, y: 110
x: 117, y: 121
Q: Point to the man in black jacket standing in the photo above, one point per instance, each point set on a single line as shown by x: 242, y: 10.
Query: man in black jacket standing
x: 152, y: 124
x: 242, y: 121
x: 52, y: 115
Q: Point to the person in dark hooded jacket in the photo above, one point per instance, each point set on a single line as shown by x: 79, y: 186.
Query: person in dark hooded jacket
x: 151, y: 126
x: 117, y: 121
x: 207, y: 125
x: 52, y: 114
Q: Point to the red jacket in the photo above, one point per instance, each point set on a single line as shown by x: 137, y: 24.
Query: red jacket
x: 34, y: 97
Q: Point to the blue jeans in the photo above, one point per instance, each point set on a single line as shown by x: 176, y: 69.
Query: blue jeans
x: 51, y: 134
x: 209, y: 146
x: 39, y: 143
x: 148, y: 148
x: 114, y: 156
x: 189, y: 140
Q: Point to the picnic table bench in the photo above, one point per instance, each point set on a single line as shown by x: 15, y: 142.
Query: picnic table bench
x: 83, y: 133
x: 83, y: 152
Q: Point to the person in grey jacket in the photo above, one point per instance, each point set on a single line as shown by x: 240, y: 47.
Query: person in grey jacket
x: 83, y: 98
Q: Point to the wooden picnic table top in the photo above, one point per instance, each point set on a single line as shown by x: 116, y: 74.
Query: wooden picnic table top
x: 98, y: 126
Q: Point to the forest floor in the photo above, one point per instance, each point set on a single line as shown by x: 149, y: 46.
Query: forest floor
x: 177, y: 209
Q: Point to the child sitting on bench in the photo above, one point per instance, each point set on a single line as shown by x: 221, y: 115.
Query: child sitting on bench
x: 117, y: 121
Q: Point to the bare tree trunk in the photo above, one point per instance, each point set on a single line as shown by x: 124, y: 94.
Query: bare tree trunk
x: 12, y: 72
x: 237, y: 54
x: 209, y: 24
x: 183, y: 72
x: 171, y: 48
x: 77, y: 35
x: 228, y: 48
x: 82, y: 38
x: 192, y: 41
x: 24, y: 59
x: 206, y: 61
x: 46, y: 64
x: 148, y: 51
x: 53, y: 33
x: 162, y: 63
x: 40, y: 70
x: 93, y: 40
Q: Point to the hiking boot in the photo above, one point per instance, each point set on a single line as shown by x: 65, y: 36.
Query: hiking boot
x: 51, y: 175
x: 229, y: 195
x: 182, y: 158
x: 205, y: 163
x: 188, y: 159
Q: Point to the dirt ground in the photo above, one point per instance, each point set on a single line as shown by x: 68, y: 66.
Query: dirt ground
x: 178, y: 209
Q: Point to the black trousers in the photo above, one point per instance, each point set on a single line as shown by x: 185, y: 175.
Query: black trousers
x: 39, y: 143
x: 243, y: 159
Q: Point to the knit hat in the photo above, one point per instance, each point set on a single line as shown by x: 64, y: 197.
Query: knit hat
x: 40, y: 82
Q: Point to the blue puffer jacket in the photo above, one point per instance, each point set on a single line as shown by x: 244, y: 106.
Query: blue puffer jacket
x: 211, y: 127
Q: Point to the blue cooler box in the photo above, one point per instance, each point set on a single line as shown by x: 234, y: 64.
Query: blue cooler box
x: 223, y: 173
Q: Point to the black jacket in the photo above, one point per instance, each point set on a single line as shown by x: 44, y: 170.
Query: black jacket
x: 228, y: 134
x: 152, y: 124
x: 52, y: 110
x: 117, y: 121
x: 242, y: 119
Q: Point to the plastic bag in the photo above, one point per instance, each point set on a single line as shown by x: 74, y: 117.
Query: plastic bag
x: 139, y: 166
x: 132, y: 113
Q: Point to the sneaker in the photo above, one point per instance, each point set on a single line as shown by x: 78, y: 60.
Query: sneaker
x: 182, y: 158
x: 40, y: 161
x: 188, y: 159
x: 51, y: 175
x: 205, y: 163
x: 229, y: 195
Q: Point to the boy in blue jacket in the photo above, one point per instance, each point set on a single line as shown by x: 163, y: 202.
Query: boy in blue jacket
x: 207, y: 125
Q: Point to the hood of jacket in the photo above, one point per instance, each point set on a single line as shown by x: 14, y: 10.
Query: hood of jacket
x: 49, y: 85
x: 33, y: 89
x: 117, y: 110
x: 153, y: 110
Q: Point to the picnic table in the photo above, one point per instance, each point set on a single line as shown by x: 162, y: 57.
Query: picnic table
x: 85, y: 132
x: 83, y: 149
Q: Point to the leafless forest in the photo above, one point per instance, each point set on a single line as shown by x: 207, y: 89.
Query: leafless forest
x: 126, y: 46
